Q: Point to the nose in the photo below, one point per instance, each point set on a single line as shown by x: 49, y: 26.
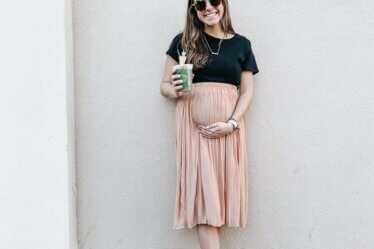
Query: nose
x: 208, y: 5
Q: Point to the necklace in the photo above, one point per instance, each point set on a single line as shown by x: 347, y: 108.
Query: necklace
x: 219, y: 45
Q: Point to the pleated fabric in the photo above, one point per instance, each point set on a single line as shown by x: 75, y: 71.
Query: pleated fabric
x: 212, y: 180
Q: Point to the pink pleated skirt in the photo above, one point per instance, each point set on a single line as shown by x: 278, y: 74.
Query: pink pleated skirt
x: 212, y: 174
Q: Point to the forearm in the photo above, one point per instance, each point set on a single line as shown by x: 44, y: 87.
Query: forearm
x: 242, y: 105
x: 167, y: 90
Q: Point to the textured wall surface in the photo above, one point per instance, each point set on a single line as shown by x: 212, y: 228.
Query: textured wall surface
x: 310, y: 135
x: 37, y: 202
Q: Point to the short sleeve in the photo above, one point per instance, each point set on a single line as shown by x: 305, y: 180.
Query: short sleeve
x: 249, y: 62
x: 175, y: 47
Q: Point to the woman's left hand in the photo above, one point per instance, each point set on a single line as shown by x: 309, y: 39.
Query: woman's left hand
x: 215, y: 130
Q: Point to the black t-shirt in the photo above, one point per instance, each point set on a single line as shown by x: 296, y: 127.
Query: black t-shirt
x: 236, y: 55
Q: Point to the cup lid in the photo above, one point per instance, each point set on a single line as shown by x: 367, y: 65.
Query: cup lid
x: 185, y: 66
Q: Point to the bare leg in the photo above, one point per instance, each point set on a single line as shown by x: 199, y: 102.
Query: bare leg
x: 220, y: 229
x: 208, y: 236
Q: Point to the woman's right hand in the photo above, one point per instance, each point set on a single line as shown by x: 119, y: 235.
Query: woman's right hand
x: 176, y: 83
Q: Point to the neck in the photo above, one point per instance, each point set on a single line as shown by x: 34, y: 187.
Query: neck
x: 214, y: 30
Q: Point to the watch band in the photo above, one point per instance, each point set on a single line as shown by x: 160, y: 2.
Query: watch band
x: 234, y: 123
x: 233, y: 126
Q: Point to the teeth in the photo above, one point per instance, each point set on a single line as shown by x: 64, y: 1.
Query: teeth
x: 211, y: 14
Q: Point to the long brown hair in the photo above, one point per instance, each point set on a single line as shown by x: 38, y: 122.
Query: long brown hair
x: 192, y: 40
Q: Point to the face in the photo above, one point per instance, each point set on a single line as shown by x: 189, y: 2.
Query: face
x: 211, y: 15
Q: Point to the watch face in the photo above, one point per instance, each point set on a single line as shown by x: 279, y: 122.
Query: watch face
x: 234, y: 123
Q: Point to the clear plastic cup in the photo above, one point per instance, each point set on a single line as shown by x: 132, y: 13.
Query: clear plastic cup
x: 185, y: 72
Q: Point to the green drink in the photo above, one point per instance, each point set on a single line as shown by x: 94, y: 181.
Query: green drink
x: 185, y: 72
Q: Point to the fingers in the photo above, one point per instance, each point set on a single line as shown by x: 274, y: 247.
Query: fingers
x: 207, y: 133
x: 211, y: 130
x: 175, y: 76
x: 177, y: 85
x: 176, y: 82
x: 206, y: 136
x: 212, y: 126
x: 215, y: 130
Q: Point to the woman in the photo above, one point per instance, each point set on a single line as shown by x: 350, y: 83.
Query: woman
x: 210, y: 150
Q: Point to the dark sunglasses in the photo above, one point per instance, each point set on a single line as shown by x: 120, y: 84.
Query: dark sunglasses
x: 201, y: 5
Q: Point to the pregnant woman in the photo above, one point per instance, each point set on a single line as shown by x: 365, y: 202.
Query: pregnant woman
x: 211, y: 153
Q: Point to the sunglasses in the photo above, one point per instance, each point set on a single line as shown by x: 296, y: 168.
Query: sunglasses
x: 201, y: 5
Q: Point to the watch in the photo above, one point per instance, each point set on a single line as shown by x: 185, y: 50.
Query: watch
x: 234, y: 123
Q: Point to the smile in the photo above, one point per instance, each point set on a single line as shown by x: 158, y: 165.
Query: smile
x: 210, y: 14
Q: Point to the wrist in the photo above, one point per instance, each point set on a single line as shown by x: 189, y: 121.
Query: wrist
x: 234, y: 123
x: 232, y: 127
x: 176, y: 94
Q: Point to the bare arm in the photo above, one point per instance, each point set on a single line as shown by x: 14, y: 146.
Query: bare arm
x: 170, y: 84
x: 246, y: 95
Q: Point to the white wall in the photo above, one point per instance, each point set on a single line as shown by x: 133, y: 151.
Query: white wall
x: 37, y: 185
x: 310, y: 133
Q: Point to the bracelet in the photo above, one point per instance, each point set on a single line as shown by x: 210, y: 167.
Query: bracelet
x: 233, y: 126
x: 234, y: 120
x: 234, y: 123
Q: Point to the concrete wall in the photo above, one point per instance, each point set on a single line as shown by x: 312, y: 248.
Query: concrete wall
x: 37, y: 173
x: 310, y: 135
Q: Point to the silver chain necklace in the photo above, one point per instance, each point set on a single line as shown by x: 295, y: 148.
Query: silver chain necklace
x: 219, y: 45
